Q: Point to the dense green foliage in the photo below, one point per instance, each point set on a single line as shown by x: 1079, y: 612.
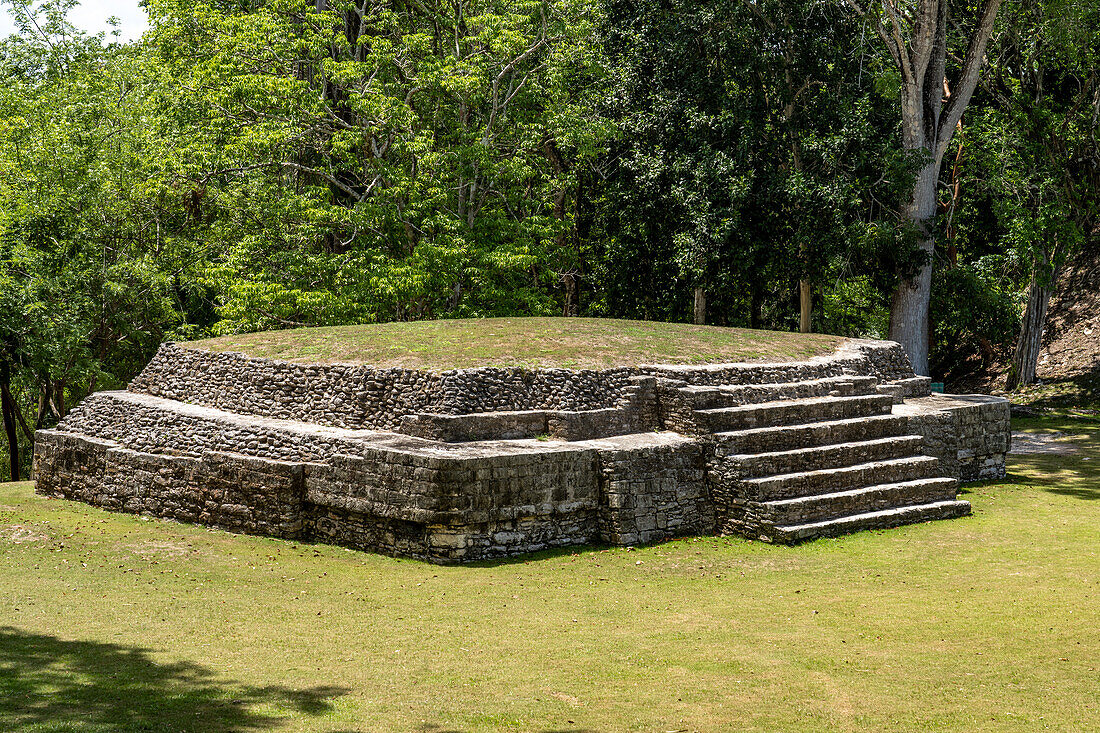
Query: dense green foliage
x: 753, y: 151
x: 275, y: 163
x: 1028, y: 174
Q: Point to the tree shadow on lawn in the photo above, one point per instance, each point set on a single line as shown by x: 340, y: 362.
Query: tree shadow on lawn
x: 1086, y: 494
x: 51, y: 685
x: 1057, y: 484
x: 1075, y: 475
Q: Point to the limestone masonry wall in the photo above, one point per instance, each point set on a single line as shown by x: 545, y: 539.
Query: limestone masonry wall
x: 970, y: 434
x: 234, y: 492
x: 145, y: 426
x: 359, y: 396
x: 356, y: 396
x: 655, y: 492
x: 396, y: 501
x: 485, y: 463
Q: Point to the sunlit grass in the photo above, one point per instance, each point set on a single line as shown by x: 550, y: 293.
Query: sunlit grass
x: 577, y: 343
x: 986, y: 623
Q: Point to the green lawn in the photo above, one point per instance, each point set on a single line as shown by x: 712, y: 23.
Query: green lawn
x: 588, y: 343
x: 992, y: 622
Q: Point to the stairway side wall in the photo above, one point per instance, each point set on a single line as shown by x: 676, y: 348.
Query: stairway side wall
x: 970, y: 434
x: 654, y: 493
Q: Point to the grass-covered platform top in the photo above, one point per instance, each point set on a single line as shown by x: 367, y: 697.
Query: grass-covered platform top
x: 572, y: 343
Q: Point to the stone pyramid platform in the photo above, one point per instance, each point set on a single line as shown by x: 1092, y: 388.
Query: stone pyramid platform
x: 484, y: 463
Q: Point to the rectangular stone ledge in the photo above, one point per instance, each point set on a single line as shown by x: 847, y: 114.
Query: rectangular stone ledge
x: 905, y: 389
x: 970, y: 434
x: 568, y: 426
x: 476, y: 426
x: 505, y: 498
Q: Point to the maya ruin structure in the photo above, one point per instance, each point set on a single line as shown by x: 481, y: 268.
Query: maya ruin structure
x: 489, y: 462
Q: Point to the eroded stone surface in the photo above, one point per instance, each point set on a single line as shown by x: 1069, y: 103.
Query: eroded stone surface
x: 970, y: 434
x: 486, y: 463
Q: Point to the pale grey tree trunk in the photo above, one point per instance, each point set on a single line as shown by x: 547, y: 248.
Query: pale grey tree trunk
x: 909, y: 324
x: 931, y: 109
x: 700, y: 306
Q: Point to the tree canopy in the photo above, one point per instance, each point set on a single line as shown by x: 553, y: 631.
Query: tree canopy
x: 270, y: 164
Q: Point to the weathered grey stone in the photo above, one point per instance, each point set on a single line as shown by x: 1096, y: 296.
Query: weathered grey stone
x: 474, y: 464
x: 969, y: 434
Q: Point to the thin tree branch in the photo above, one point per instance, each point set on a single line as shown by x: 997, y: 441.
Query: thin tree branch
x: 968, y: 79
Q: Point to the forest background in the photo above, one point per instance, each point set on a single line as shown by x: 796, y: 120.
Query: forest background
x: 267, y: 164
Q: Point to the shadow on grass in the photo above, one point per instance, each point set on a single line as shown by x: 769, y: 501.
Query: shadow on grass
x: 1075, y: 475
x: 50, y: 685
x: 1080, y: 392
x: 1087, y: 494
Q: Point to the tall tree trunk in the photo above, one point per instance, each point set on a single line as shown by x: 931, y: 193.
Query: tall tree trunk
x: 909, y: 324
x: 805, y: 302
x: 59, y: 396
x: 571, y: 303
x: 1025, y: 360
x: 931, y: 109
x: 700, y: 306
x: 8, y: 408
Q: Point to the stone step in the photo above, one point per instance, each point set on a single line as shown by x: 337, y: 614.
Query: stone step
x: 819, y: 458
x: 810, y: 483
x: 904, y: 389
x: 810, y: 509
x: 792, y: 412
x: 791, y: 437
x: 882, y: 519
x: 733, y: 395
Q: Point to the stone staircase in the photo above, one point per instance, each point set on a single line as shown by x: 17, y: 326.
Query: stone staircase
x: 800, y: 460
x: 484, y: 463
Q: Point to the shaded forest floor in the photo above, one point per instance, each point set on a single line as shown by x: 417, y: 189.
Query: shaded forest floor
x: 118, y: 623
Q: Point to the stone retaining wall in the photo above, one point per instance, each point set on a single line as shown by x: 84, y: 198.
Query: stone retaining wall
x: 359, y: 396
x: 970, y: 434
x: 356, y: 396
x: 654, y: 493
x: 149, y: 428
x: 491, y: 501
x: 234, y: 492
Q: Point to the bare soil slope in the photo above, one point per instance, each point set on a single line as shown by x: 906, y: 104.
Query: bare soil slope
x: 1071, y: 344
x: 1069, y: 364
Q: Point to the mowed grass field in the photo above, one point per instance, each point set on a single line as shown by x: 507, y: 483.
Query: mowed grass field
x: 989, y: 623
x: 571, y: 343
